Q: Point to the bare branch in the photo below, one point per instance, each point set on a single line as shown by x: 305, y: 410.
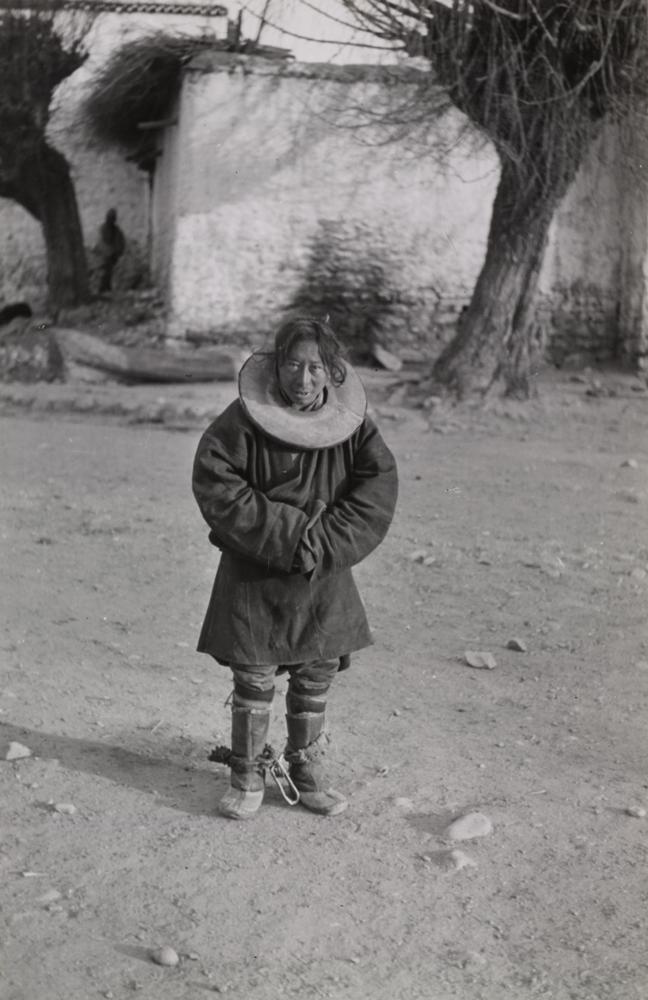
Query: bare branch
x: 310, y: 38
x: 538, y: 16
x: 332, y: 17
x: 536, y: 77
x: 501, y: 10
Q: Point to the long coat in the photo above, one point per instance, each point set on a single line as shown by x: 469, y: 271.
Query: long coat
x: 284, y: 592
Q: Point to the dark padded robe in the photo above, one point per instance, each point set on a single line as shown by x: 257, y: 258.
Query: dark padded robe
x: 284, y: 592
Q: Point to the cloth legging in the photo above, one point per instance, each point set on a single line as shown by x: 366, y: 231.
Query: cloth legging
x: 254, y: 683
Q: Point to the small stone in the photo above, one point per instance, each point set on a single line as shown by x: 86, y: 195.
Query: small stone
x: 629, y: 496
x: 552, y: 565
x: 429, y: 560
x: 630, y: 463
x: 403, y: 803
x: 480, y: 660
x: 165, y: 956
x: 470, y: 826
x: 638, y: 574
x: 65, y: 808
x: 461, y: 860
x: 596, y: 388
x: 386, y: 359
x: 638, y: 812
x: 473, y: 958
x: 193, y: 957
x: 17, y: 751
x: 418, y: 555
x: 517, y: 644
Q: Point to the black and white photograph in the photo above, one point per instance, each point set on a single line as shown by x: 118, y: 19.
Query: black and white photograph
x: 324, y: 499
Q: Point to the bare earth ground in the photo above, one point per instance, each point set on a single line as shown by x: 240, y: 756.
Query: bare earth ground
x: 537, y: 530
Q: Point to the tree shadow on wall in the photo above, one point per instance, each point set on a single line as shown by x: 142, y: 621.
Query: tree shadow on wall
x: 348, y: 280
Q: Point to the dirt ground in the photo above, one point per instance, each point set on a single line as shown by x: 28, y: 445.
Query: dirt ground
x: 533, y: 526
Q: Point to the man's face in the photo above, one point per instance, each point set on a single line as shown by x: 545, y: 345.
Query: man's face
x: 302, y: 374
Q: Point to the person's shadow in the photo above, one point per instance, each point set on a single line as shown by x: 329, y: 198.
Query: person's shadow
x: 183, y: 786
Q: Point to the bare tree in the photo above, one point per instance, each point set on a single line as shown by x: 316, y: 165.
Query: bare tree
x: 538, y: 78
x: 41, y: 44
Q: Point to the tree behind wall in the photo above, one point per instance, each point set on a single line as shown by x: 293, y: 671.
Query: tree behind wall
x: 538, y: 78
x: 41, y: 44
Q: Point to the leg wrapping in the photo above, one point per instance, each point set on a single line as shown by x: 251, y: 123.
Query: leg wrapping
x: 306, y: 746
x: 249, y: 733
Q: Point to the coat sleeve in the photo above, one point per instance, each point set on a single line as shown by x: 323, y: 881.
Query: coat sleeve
x: 242, y: 519
x: 348, y: 530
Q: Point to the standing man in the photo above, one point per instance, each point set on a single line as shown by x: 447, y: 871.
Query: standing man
x: 297, y: 486
x: 112, y: 244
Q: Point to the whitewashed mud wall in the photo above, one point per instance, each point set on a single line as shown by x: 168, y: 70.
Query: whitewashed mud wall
x: 580, y: 282
x: 22, y: 256
x: 167, y: 187
x: 633, y: 300
x: 264, y: 179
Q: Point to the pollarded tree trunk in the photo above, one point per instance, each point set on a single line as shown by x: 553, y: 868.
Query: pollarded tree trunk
x: 67, y: 270
x: 495, y: 339
x: 44, y: 187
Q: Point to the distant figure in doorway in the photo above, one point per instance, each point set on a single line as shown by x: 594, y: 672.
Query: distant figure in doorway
x: 112, y: 244
x: 14, y: 318
x: 15, y: 310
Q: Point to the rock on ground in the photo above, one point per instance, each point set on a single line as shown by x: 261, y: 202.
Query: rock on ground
x: 470, y: 826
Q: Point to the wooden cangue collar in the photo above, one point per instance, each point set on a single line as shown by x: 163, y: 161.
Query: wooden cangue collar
x: 334, y: 422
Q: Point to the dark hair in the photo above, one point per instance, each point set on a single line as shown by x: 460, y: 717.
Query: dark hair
x: 304, y: 328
